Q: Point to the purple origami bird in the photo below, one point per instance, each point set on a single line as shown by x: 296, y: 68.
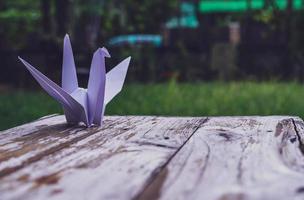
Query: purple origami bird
x: 79, y: 104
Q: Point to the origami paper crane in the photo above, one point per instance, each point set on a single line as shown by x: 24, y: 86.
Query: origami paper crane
x: 79, y: 104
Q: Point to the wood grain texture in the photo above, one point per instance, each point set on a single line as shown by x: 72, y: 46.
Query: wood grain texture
x: 112, y: 162
x: 146, y: 157
x: 236, y: 158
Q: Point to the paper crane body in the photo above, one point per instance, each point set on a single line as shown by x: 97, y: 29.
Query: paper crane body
x: 79, y: 104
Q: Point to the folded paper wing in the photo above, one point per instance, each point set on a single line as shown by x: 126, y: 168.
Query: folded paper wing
x: 69, y: 76
x: 69, y: 80
x: 115, y: 80
x: 72, y: 107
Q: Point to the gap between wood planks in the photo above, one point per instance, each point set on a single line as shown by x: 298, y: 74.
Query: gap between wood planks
x: 149, y: 192
x: 301, y: 144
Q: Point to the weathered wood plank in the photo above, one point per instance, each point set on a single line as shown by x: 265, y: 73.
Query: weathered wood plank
x: 155, y: 158
x: 236, y: 158
x: 10, y: 134
x: 112, y: 162
x: 33, y: 143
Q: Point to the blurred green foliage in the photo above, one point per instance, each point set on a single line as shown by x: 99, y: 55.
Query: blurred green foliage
x: 18, y: 16
x: 86, y: 19
x: 199, y: 99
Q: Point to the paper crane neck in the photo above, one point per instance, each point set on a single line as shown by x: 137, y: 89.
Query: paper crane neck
x: 79, y: 104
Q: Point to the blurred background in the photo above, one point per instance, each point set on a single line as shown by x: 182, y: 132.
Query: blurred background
x: 189, y: 57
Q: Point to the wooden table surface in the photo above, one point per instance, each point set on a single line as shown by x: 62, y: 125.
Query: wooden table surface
x: 147, y: 157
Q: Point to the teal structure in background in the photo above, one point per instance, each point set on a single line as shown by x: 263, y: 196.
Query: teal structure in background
x: 187, y: 19
x: 211, y: 6
x: 133, y: 39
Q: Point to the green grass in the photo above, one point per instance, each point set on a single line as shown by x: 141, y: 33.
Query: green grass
x: 201, y: 99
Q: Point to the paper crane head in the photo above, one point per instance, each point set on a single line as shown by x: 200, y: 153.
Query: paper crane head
x: 79, y: 104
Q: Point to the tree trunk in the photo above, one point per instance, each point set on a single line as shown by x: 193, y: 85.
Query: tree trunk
x: 62, y: 16
x: 46, y: 16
